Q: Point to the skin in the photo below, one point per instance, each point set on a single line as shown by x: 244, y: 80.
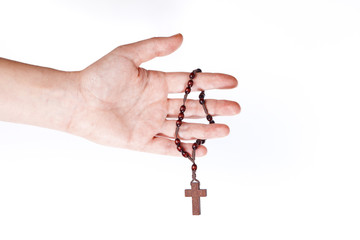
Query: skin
x: 114, y: 101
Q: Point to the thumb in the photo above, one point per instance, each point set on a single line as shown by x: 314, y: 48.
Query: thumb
x: 148, y: 49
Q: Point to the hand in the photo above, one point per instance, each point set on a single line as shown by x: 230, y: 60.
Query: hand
x: 124, y: 105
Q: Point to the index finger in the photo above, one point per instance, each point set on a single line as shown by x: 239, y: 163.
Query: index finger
x: 177, y: 81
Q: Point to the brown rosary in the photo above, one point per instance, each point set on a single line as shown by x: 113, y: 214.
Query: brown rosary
x: 195, y: 192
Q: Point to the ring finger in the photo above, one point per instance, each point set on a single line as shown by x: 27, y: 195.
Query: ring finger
x: 190, y: 131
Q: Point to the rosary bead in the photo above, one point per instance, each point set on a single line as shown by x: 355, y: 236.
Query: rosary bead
x: 185, y: 154
x: 181, y: 116
x: 194, y: 167
x: 190, y: 83
x: 182, y: 108
x: 178, y: 123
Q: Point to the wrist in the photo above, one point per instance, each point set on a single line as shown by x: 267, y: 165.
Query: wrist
x: 66, y: 99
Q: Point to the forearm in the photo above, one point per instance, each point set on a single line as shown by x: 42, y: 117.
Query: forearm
x: 36, y: 95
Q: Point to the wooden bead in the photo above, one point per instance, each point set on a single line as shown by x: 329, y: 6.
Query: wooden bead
x: 202, y: 95
x: 182, y: 108
x: 194, y: 167
x: 185, y: 154
x: 181, y: 116
x: 190, y: 83
x: 178, y: 123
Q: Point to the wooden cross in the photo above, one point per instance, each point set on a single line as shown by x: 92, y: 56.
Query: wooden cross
x: 195, y: 192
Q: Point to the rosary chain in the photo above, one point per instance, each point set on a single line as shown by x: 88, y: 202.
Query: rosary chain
x: 181, y: 116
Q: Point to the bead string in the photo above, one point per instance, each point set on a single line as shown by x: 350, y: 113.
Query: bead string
x: 181, y: 116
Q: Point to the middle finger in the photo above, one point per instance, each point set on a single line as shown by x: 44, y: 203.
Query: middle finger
x: 195, y: 110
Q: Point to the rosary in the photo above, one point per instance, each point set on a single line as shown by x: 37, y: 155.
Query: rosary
x: 195, y: 192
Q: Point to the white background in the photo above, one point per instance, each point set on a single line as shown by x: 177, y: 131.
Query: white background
x: 288, y: 170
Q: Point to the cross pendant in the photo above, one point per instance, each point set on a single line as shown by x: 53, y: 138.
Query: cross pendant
x: 195, y: 192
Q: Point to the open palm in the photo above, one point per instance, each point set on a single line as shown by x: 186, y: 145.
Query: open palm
x: 124, y: 105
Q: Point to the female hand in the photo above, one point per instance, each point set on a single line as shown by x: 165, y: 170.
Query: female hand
x: 123, y: 105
